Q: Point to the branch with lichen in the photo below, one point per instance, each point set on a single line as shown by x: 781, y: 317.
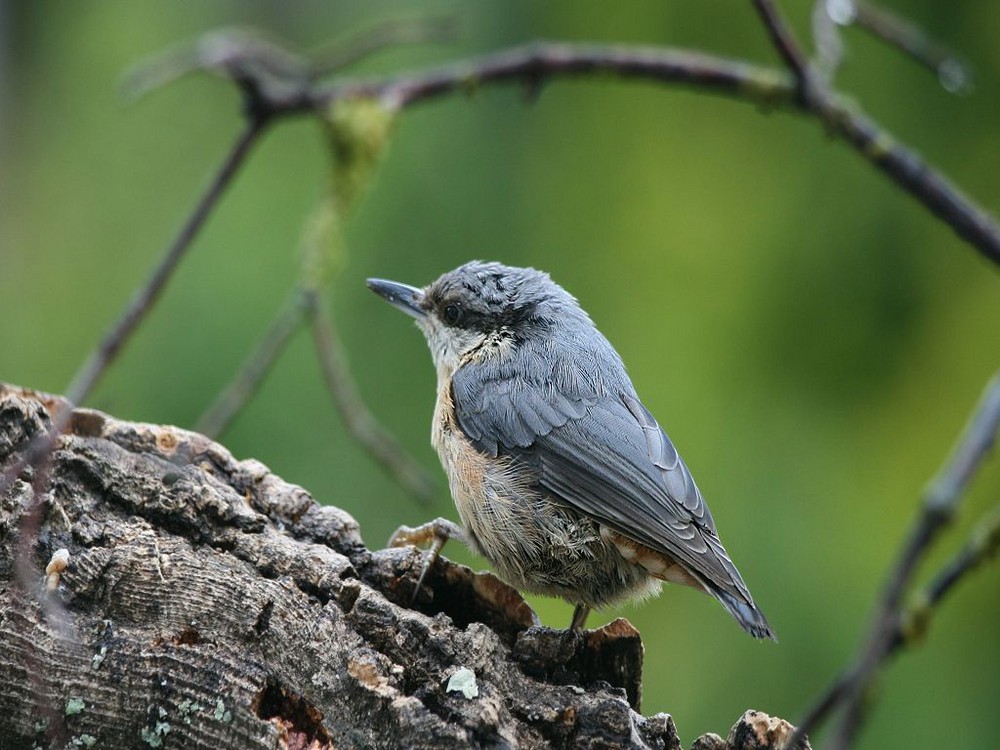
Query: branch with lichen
x: 534, y: 64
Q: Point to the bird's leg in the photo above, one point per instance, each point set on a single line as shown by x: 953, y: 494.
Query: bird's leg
x: 435, y: 532
x: 579, y: 617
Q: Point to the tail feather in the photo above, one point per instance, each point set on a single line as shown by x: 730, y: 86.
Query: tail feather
x: 745, y: 612
x: 736, y: 596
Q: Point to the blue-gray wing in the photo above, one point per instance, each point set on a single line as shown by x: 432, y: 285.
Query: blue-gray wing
x: 599, y: 450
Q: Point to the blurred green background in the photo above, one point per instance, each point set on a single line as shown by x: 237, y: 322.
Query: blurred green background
x: 811, y: 338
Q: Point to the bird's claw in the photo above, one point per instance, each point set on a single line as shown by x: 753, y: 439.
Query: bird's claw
x: 579, y: 617
x: 435, y: 533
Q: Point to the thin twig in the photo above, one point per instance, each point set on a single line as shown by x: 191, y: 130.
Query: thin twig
x: 983, y: 544
x: 940, y: 504
x: 788, y: 48
x: 89, y: 374
x: 906, y: 36
x: 360, y: 422
x: 249, y: 56
x: 220, y: 414
x: 946, y: 489
x: 908, y: 170
x: 821, y: 708
x: 391, y: 33
x: 827, y: 40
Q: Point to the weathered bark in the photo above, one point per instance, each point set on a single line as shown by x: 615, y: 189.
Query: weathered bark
x: 207, y: 603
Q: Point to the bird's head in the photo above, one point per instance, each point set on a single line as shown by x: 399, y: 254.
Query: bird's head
x: 483, y: 310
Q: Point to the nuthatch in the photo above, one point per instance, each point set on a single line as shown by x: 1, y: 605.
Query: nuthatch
x: 563, y: 480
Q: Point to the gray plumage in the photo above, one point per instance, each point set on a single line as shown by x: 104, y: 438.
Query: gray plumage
x: 541, y: 394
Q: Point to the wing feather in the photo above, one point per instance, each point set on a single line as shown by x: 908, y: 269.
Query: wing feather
x: 599, y: 450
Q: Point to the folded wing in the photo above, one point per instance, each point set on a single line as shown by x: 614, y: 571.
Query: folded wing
x: 599, y: 450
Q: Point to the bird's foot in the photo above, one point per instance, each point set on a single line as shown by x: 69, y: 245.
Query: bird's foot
x: 435, y: 533
x: 579, y: 617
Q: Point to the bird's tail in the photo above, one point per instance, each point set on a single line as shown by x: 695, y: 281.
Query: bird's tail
x: 745, y: 612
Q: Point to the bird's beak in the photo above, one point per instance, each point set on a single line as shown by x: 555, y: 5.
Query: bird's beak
x: 402, y: 296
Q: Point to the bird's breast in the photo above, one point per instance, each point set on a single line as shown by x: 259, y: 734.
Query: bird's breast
x: 445, y: 421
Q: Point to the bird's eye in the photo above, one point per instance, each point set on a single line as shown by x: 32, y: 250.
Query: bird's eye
x: 452, y: 314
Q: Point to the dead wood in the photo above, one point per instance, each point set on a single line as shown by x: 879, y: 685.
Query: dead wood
x: 207, y: 603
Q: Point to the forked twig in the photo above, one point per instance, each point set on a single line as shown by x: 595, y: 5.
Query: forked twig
x: 789, y: 50
x: 981, y: 546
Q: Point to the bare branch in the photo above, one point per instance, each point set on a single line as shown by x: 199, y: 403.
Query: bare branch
x: 940, y: 504
x: 92, y: 370
x: 984, y: 544
x: 908, y: 170
x: 218, y: 416
x: 535, y: 63
x: 820, y: 709
x: 360, y: 422
x: 246, y: 55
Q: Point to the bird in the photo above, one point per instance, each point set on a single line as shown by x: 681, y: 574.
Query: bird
x: 562, y: 479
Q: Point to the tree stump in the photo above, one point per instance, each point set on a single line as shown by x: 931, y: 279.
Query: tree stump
x: 204, y: 602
